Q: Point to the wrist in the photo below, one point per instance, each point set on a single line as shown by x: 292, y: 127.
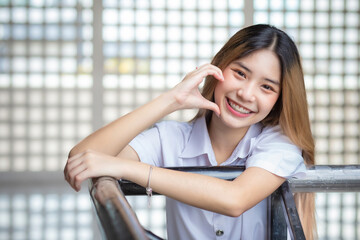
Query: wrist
x: 148, y: 186
x: 135, y: 171
x: 171, y: 102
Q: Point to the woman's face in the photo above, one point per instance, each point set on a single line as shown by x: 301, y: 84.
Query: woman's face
x: 250, y: 90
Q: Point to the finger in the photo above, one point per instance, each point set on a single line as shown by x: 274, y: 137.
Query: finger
x: 70, y: 166
x: 218, y: 73
x: 212, y: 106
x: 219, y: 77
x: 74, y: 175
x: 76, y: 156
x: 206, y: 65
x: 212, y: 70
x: 69, y: 163
x: 80, y: 178
x: 202, y: 74
x: 75, y: 160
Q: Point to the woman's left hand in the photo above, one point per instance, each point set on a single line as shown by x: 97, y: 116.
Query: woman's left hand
x: 90, y: 164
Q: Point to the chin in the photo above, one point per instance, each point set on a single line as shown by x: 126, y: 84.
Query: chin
x: 235, y: 123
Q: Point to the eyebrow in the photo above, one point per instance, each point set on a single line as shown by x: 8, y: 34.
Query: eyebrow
x: 248, y: 70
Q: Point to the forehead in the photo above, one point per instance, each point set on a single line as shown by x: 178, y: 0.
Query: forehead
x: 264, y: 62
x: 260, y: 53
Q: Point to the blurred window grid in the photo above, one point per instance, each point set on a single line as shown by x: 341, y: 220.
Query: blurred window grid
x: 68, y: 67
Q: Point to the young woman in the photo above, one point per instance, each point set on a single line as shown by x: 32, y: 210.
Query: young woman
x: 253, y: 112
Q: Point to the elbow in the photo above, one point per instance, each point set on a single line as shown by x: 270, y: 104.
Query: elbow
x: 234, y: 208
x: 233, y: 203
x: 235, y: 212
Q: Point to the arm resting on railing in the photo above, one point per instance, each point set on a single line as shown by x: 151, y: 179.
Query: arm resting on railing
x: 117, y: 218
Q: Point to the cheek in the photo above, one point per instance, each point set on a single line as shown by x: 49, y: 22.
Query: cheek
x: 270, y: 102
x: 229, y: 80
x: 274, y: 99
x: 221, y: 89
x: 217, y: 93
x: 227, y: 85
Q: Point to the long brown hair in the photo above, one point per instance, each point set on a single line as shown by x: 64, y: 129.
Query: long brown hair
x: 291, y: 109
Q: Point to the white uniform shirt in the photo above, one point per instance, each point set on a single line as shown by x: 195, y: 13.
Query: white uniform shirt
x: 176, y: 144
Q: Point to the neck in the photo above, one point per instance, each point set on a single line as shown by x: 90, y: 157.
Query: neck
x: 223, y: 138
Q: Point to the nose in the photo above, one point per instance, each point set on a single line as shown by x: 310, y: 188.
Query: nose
x: 247, y: 92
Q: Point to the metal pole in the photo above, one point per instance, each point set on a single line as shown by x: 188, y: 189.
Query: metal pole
x: 319, y: 178
x: 328, y: 178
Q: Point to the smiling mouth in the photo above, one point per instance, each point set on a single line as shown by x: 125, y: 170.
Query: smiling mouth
x: 238, y: 108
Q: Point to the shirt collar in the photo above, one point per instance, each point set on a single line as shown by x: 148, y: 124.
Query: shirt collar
x: 199, y: 142
x: 243, y: 148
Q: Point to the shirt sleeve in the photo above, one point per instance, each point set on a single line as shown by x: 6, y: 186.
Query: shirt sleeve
x: 274, y: 152
x: 148, y: 146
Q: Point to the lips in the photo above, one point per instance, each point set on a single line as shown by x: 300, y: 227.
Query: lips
x: 237, y: 109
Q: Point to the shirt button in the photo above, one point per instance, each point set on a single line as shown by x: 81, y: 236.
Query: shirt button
x: 219, y: 233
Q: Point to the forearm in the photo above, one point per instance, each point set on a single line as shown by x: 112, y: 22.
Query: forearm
x: 112, y: 138
x: 197, y: 190
x: 230, y: 198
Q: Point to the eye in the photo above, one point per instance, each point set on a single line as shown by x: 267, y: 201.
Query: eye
x: 240, y: 73
x: 268, y: 88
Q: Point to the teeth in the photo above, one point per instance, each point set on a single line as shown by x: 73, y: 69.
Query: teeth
x: 238, y: 108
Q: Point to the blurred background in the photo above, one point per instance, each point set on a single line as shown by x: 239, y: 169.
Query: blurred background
x: 68, y: 67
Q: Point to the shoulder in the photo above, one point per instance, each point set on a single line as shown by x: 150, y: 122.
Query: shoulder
x: 272, y: 150
x: 272, y: 135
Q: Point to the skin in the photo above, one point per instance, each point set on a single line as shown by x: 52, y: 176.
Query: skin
x: 106, y: 152
x: 251, y: 86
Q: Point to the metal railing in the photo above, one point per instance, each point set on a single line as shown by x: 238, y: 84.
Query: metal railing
x: 118, y: 221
